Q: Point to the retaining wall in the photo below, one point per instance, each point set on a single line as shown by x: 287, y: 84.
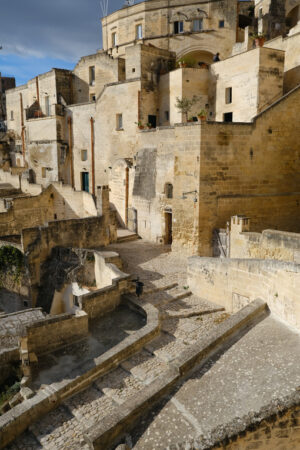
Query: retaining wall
x: 233, y: 283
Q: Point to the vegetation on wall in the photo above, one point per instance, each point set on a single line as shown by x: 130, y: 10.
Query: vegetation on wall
x: 11, y: 262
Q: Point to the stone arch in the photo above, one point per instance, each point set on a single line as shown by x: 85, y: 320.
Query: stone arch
x: 292, y: 17
x: 198, y: 54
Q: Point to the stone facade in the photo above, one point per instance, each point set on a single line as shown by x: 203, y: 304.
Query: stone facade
x: 5, y: 84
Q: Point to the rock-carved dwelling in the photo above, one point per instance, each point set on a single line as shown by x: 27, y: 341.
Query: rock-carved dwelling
x: 168, y: 159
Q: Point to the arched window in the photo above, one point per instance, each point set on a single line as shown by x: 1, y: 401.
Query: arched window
x: 169, y: 190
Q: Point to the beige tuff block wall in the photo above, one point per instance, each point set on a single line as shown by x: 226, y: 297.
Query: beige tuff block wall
x: 82, y: 140
x: 52, y: 333
x: 57, y: 202
x: 256, y: 80
x: 270, y: 244
x: 157, y: 19
x: 182, y: 83
x: 107, y: 70
x: 252, y: 170
x: 290, y: 45
x: 112, y: 143
x: 233, y: 283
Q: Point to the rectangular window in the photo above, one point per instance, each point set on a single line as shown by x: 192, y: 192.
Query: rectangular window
x: 84, y: 155
x: 228, y: 95
x: 178, y: 27
x: 139, y: 32
x: 92, y: 75
x: 114, y: 39
x: 85, y: 181
x: 167, y: 115
x: 44, y: 172
x: 11, y: 115
x: 221, y: 23
x: 227, y: 117
x: 119, y: 122
x: 197, y: 24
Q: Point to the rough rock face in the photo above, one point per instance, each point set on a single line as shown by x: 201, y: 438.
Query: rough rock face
x: 63, y: 266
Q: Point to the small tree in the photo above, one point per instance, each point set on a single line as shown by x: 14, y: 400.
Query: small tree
x: 185, y: 105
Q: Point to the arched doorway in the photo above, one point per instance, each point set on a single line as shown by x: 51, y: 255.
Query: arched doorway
x: 198, y: 57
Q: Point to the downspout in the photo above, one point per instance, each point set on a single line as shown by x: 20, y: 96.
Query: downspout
x: 71, y: 150
x: 126, y: 195
x: 93, y: 155
x: 22, y: 128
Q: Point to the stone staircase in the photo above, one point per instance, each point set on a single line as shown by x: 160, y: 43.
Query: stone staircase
x: 185, y: 318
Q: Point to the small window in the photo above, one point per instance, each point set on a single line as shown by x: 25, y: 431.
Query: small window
x: 44, y: 172
x: 92, y: 97
x: 227, y: 117
x: 11, y: 115
x: 139, y: 32
x: 167, y: 115
x: 169, y: 190
x: 197, y: 24
x: 92, y: 75
x: 221, y: 23
x: 178, y: 27
x: 55, y: 216
x: 84, y: 156
x: 133, y: 69
x: 119, y: 122
x: 228, y: 95
x: 114, y: 39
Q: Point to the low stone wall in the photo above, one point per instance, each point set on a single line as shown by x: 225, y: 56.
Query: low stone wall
x: 15, y: 421
x: 54, y: 332
x: 104, y: 434
x: 102, y: 301
x: 233, y: 283
x: 270, y: 244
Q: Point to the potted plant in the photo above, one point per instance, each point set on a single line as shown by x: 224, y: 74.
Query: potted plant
x: 149, y: 126
x: 140, y: 125
x: 202, y: 114
x: 187, y: 61
x: 259, y: 38
x: 190, y: 119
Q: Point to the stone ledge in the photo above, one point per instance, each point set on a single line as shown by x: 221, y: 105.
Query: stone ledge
x: 15, y: 421
x: 104, y: 434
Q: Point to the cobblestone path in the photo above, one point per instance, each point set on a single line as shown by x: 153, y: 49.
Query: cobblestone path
x: 185, y: 319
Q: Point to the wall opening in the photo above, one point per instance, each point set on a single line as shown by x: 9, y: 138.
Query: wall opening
x: 85, y: 181
x: 168, y: 228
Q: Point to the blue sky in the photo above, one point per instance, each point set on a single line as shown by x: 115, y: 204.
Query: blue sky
x: 37, y: 35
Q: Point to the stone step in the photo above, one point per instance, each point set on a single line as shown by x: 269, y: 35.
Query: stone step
x: 119, y: 385
x: 145, y: 366
x: 90, y: 405
x: 189, y: 306
x: 130, y: 237
x: 58, y: 429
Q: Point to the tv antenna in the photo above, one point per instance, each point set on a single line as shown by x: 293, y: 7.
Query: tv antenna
x: 104, y: 7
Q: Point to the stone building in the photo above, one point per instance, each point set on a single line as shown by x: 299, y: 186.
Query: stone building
x: 113, y: 120
x: 5, y: 84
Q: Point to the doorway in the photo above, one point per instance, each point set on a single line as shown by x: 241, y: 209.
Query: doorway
x: 168, y: 228
x: 85, y: 181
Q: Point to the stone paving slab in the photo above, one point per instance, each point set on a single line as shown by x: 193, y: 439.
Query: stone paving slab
x: 166, y: 347
x: 59, y: 429
x: 89, y: 406
x: 119, y: 385
x: 262, y: 366
x: 145, y: 366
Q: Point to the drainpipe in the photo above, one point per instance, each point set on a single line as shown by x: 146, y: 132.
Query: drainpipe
x: 37, y: 89
x: 93, y: 155
x: 126, y: 195
x: 71, y: 150
x: 22, y: 128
